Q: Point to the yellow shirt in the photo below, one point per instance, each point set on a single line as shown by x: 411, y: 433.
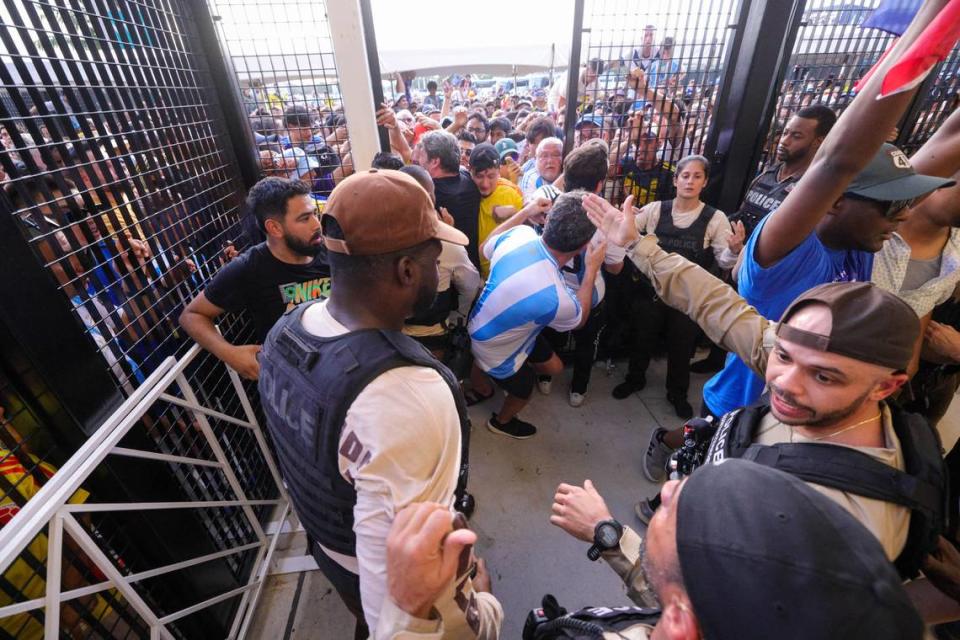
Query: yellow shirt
x: 506, y: 194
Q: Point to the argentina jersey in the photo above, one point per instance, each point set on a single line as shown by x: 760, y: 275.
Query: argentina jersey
x: 524, y: 293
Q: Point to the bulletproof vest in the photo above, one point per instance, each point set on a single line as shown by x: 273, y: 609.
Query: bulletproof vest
x: 764, y: 195
x: 687, y: 242
x: 922, y: 487
x: 446, y: 301
x: 307, y: 384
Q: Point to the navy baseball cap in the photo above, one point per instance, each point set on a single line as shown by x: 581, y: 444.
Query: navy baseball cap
x: 763, y: 555
x: 890, y: 177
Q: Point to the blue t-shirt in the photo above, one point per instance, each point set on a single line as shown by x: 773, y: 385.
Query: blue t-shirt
x: 771, y: 291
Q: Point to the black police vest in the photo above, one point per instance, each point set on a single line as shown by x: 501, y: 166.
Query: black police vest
x: 307, y: 384
x: 922, y: 488
x: 687, y: 242
x: 765, y: 194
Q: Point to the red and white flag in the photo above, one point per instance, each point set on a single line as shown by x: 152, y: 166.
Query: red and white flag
x: 933, y: 45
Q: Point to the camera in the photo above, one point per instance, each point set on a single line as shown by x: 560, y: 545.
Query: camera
x: 697, y: 434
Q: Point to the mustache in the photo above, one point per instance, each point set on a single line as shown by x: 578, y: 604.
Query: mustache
x: 788, y: 398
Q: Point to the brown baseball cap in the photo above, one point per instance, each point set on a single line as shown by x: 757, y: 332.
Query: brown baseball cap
x: 381, y: 211
x: 869, y: 324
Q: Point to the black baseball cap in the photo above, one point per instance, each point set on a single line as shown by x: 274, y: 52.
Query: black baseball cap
x: 890, y: 177
x: 763, y: 555
x: 484, y: 156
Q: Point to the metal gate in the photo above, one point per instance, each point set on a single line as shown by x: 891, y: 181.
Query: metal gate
x: 124, y: 191
x: 282, y: 56
x: 676, y: 51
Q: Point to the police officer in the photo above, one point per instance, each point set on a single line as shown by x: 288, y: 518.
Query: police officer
x: 364, y: 419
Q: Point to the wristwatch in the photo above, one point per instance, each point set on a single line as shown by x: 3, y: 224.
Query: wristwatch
x: 606, y: 536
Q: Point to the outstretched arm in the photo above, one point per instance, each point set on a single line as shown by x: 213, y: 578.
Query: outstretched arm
x: 723, y: 315
x: 847, y: 149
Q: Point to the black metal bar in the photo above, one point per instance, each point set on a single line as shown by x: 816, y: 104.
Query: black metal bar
x: 766, y: 31
x: 225, y: 83
x: 573, y: 76
x: 921, y: 101
x: 373, y: 63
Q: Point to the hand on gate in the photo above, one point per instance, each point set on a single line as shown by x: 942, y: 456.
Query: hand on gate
x: 243, y: 360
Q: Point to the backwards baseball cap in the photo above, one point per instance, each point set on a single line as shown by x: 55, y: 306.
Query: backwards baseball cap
x: 505, y: 147
x: 381, y: 211
x: 796, y: 564
x: 869, y: 324
x: 427, y: 109
x: 589, y: 118
x: 890, y: 177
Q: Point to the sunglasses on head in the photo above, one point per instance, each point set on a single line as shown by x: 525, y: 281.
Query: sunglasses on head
x: 890, y: 207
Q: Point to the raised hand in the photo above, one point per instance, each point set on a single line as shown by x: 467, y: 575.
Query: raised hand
x: 617, y: 225
x: 739, y: 237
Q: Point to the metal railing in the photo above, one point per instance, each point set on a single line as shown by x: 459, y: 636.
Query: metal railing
x: 52, y: 509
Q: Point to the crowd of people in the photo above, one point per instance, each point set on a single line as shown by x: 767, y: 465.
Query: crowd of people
x: 833, y: 291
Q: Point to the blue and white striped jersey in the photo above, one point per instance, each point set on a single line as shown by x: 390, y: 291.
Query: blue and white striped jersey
x: 524, y: 293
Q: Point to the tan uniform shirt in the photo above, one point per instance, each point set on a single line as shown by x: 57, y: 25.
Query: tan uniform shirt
x: 400, y: 444
x: 729, y: 321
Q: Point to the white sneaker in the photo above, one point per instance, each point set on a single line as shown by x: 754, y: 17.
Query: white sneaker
x: 656, y: 458
x: 544, y: 384
x: 576, y: 399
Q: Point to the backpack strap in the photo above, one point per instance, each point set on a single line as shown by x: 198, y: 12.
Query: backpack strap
x: 848, y: 470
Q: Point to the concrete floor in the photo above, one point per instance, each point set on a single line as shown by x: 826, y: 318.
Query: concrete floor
x: 514, y: 483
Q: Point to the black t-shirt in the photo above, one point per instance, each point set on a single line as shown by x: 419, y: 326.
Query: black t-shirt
x: 256, y: 282
x: 461, y: 198
x: 764, y: 195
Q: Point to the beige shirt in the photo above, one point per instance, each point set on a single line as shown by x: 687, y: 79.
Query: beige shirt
x: 400, y: 444
x: 729, y: 321
x: 889, y: 522
x: 717, y: 236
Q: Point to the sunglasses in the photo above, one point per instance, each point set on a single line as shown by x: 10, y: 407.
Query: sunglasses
x: 890, y: 208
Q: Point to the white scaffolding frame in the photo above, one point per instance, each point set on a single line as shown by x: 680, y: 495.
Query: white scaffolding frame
x: 50, y: 508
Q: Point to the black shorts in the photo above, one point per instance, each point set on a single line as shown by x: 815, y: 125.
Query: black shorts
x: 520, y: 384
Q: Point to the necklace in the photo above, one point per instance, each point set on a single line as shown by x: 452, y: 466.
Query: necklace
x: 845, y: 429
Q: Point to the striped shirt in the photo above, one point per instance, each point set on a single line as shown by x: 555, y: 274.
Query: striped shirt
x: 524, y: 293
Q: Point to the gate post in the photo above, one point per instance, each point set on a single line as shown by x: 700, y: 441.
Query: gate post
x: 573, y: 77
x: 759, y: 52
x: 347, y: 35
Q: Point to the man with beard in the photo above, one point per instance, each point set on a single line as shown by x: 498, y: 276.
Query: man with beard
x: 831, y: 364
x: 365, y: 421
x: 798, y: 143
x: 287, y: 269
x: 738, y: 551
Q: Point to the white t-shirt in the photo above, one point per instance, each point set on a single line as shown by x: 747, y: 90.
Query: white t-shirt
x: 455, y: 271
x: 402, y: 437
x: 524, y: 293
x: 717, y: 236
